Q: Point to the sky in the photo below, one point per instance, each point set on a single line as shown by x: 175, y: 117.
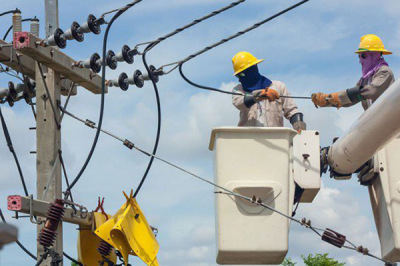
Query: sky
x: 310, y: 49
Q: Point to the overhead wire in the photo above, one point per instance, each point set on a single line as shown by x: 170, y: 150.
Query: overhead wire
x: 179, y: 64
x: 158, y: 123
x: 304, y: 222
x: 150, y: 46
x: 9, y: 12
x: 101, y: 112
x: 10, y: 28
x: 191, y: 24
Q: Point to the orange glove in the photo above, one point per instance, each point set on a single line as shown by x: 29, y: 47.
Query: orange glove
x: 322, y: 99
x: 266, y: 94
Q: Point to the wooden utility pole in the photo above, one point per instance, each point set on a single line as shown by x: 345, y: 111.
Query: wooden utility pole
x: 48, y: 134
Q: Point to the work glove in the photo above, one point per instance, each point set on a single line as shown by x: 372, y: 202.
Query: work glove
x: 266, y: 94
x: 322, y: 99
x: 299, y: 126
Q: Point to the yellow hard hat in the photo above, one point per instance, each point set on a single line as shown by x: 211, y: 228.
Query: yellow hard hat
x: 244, y: 60
x: 371, y: 43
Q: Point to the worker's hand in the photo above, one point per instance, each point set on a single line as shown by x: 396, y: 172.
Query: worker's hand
x: 322, y: 99
x: 299, y: 126
x: 319, y: 99
x: 266, y: 94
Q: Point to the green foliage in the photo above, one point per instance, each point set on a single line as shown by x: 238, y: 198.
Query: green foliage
x: 320, y: 260
x: 314, y: 260
x: 288, y: 262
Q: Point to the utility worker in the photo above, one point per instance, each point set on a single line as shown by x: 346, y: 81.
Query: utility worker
x: 375, y: 79
x: 259, y: 102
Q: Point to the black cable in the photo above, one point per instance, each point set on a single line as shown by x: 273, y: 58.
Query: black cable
x: 226, y: 191
x: 158, y: 122
x: 148, y: 48
x: 205, y: 87
x: 242, y: 32
x: 72, y: 259
x: 10, y: 28
x: 180, y: 63
x: 11, y: 148
x: 65, y: 173
x: 9, y: 12
x: 18, y: 243
x: 228, y: 92
x: 116, y: 15
x: 194, y: 22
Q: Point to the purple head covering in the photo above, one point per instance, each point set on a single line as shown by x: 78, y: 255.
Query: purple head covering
x: 371, y: 63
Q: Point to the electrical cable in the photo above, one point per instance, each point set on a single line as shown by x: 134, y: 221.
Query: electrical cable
x: 181, y: 62
x: 67, y: 100
x: 48, y: 95
x: 72, y: 259
x: 208, y: 48
x: 9, y: 12
x: 10, y: 28
x: 116, y: 15
x: 194, y: 22
x: 158, y: 123
x: 229, y: 92
x: 150, y: 46
x: 226, y: 191
x: 11, y: 148
x: 65, y: 173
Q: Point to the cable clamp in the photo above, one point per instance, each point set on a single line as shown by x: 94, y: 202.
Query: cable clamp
x: 129, y: 144
x: 306, y: 223
x: 335, y: 239
x: 363, y: 250
x: 90, y: 123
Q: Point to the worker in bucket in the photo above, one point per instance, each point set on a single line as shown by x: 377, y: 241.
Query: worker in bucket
x: 260, y: 102
x: 376, y: 77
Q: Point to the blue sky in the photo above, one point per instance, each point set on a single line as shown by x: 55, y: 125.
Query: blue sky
x: 310, y: 49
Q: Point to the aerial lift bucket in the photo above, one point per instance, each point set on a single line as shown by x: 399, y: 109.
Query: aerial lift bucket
x: 253, y: 162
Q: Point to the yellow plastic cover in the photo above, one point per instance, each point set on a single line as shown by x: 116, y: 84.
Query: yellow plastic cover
x: 88, y: 243
x: 129, y: 232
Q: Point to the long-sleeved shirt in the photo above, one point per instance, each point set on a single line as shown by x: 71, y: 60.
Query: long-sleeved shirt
x: 264, y: 113
x: 368, y: 90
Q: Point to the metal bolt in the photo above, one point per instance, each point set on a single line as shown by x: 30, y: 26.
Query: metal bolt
x: 381, y: 169
x: 305, y: 156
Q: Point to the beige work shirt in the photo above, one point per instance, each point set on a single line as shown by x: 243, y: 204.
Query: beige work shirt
x: 372, y: 88
x: 265, y: 113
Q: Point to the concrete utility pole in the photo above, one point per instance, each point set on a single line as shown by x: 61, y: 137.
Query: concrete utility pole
x: 48, y: 135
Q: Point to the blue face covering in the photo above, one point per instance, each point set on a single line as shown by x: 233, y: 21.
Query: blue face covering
x: 251, y: 79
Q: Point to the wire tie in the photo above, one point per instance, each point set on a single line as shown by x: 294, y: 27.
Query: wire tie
x: 253, y: 199
x: 90, y: 123
x: 129, y: 144
x: 363, y: 250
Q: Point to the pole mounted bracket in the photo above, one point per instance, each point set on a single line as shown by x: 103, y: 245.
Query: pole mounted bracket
x: 61, y: 63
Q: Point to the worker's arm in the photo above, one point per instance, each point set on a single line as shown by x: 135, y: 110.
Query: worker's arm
x: 382, y: 79
x: 290, y: 110
x: 242, y: 102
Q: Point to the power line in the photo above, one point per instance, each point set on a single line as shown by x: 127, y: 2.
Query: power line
x: 194, y: 22
x: 327, y: 235
x: 150, y: 46
x: 116, y: 15
x: 208, y: 48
